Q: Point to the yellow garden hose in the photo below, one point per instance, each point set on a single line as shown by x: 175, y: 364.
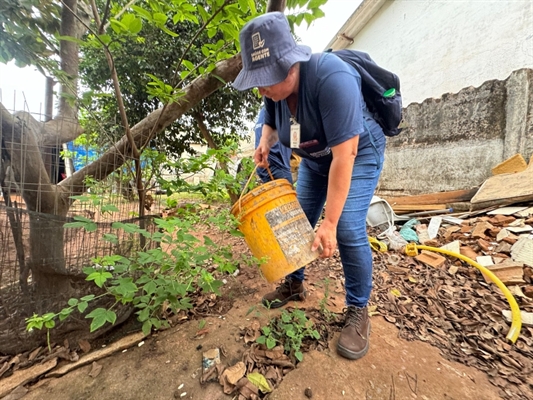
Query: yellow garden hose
x: 516, y: 321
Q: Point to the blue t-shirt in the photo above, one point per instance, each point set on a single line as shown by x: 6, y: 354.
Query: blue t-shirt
x: 330, y: 110
x: 279, y: 156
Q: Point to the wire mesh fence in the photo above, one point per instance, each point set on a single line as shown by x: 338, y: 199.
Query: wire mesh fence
x: 38, y: 196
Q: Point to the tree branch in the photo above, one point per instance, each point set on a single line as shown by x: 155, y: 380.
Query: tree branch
x: 156, y: 121
x: 276, y: 5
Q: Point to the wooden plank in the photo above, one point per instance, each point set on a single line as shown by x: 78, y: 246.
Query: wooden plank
x: 507, y: 188
x: 514, y: 164
x: 122, y: 344
x: 418, y: 207
x: 455, y: 196
x: 24, y: 376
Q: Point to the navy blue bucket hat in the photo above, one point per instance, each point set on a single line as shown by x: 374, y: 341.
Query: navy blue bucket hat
x: 268, y: 51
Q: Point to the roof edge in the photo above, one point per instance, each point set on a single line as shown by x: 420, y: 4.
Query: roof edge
x: 357, y: 21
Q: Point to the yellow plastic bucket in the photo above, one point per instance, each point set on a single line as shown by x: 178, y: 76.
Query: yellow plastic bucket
x: 275, y: 228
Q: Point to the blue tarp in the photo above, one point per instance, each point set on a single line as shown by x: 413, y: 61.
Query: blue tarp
x: 82, y: 155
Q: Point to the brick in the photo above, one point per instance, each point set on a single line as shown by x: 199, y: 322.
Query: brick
x: 510, y: 239
x: 432, y: 243
x: 494, y: 232
x: 466, y: 228
x: 501, y: 256
x: 502, y: 220
x: 509, y: 272
x: 528, y: 274
x: 450, y: 231
x: 484, y: 245
x: 431, y: 259
x: 513, y: 164
x: 480, y: 229
x: 467, y: 251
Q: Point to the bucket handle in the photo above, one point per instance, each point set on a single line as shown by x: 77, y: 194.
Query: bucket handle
x: 248, y: 182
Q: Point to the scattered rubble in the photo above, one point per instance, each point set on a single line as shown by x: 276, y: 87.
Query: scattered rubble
x: 451, y: 305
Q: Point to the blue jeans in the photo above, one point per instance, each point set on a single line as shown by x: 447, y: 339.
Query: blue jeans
x: 277, y: 172
x: 355, y: 251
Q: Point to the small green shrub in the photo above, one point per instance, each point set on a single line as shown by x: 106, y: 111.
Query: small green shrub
x: 288, y: 330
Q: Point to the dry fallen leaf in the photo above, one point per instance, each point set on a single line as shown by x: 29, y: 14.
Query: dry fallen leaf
x: 95, y: 370
x: 259, y: 381
x: 396, y: 292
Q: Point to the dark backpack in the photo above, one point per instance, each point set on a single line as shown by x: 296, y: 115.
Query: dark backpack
x: 376, y: 84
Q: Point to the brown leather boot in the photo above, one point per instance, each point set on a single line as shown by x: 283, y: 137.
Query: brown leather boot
x: 353, y: 342
x: 288, y: 290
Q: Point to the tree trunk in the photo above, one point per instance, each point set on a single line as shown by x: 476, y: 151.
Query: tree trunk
x: 40, y: 196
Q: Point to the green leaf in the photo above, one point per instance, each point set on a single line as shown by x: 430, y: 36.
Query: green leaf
x: 106, y: 39
x: 110, y: 208
x: 270, y: 343
x: 259, y: 381
x: 150, y: 287
x: 64, y: 313
x: 99, y: 318
x: 118, y: 27
x: 82, y: 222
x: 316, y: 3
x: 144, y: 314
x: 99, y: 277
x: 160, y: 18
x: 110, y: 237
x: 299, y: 355
x: 244, y: 5
x: 111, y: 317
x: 134, y: 24
x: 89, y: 297
x: 261, y: 340
x: 142, y: 12
x: 72, y: 302
x: 309, y: 18
x: 49, y: 324
x: 189, y: 65
x: 82, y: 306
x: 147, y: 327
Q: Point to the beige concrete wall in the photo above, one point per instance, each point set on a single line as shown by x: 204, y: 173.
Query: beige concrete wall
x: 454, y: 141
x: 439, y: 47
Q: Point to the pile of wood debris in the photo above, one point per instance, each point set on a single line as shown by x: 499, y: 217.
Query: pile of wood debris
x: 451, y: 305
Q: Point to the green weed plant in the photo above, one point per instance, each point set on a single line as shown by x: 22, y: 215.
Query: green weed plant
x: 289, y: 330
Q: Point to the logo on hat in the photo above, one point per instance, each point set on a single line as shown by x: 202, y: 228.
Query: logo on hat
x: 260, y: 53
x: 257, y: 43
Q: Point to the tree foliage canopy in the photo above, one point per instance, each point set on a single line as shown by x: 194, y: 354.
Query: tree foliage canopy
x: 152, y: 56
x: 27, y: 29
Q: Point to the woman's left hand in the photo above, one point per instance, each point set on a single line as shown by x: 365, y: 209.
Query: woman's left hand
x: 326, y: 238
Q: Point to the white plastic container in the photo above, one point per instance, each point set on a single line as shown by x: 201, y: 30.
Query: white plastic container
x: 379, y: 213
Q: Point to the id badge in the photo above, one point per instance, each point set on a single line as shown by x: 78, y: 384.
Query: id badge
x: 295, y: 135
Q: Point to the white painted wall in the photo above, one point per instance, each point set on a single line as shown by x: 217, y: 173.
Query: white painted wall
x: 441, y: 46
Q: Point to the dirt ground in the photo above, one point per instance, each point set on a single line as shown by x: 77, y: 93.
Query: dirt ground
x: 169, y: 363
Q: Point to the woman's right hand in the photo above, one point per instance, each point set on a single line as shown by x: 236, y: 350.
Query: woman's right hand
x: 269, y: 136
x: 261, y: 155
